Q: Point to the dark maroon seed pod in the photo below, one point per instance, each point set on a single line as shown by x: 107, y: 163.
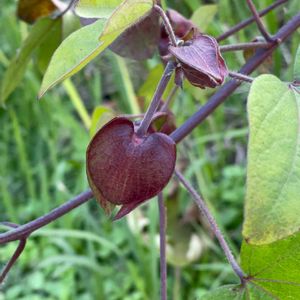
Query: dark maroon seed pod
x: 126, y: 170
x: 201, y: 61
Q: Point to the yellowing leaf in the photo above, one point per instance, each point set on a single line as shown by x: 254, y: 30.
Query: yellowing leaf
x: 84, y: 45
x: 96, y: 8
x: 30, y: 10
x: 273, y: 176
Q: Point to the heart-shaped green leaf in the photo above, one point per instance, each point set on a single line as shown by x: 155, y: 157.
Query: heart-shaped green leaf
x: 237, y: 292
x: 82, y: 46
x: 96, y: 8
x: 273, y: 175
x: 274, y: 267
x: 297, y: 65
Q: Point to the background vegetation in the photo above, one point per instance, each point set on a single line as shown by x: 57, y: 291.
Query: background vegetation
x: 42, y: 163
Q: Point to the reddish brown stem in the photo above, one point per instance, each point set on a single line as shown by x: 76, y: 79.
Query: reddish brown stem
x: 244, y: 46
x: 248, y: 21
x: 259, y: 22
x: 16, y: 255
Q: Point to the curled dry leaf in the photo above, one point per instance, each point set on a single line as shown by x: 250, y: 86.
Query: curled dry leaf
x: 126, y: 170
x: 201, y: 61
x: 30, y: 10
x: 140, y: 40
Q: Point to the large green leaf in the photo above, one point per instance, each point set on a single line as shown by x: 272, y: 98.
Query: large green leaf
x: 237, y: 292
x: 297, y: 65
x: 274, y: 267
x: 17, y: 67
x: 204, y: 15
x: 84, y: 45
x: 96, y: 8
x: 273, y: 175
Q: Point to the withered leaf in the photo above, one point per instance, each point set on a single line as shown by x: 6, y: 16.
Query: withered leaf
x: 30, y: 10
x: 201, y: 61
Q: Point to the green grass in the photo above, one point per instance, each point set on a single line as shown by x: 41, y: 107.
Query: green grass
x: 42, y: 157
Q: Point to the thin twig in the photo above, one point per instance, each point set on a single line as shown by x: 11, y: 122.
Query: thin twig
x: 162, y: 247
x: 214, y: 226
x: 239, y: 76
x: 16, y: 255
x: 167, y: 24
x: 244, y: 46
x: 143, y: 128
x: 248, y: 21
x: 25, y: 230
x: 222, y: 94
x: 70, y: 5
x: 169, y: 99
x: 259, y: 22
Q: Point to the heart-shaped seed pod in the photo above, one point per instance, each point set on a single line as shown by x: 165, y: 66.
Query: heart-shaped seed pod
x: 124, y: 169
x: 201, y: 61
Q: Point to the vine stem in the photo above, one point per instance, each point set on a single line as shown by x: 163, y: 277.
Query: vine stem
x: 259, y: 22
x: 143, y: 128
x: 16, y: 255
x: 240, y: 76
x: 167, y: 24
x: 214, y: 226
x: 244, y: 46
x: 227, y: 89
x: 248, y: 21
x: 165, y: 106
x: 162, y: 246
x: 25, y: 230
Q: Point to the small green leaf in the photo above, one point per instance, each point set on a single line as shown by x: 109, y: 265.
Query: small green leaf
x: 274, y: 267
x: 273, y: 181
x: 83, y: 45
x: 237, y: 292
x: 204, y: 15
x: 297, y: 65
x: 48, y: 46
x: 30, y: 10
x: 17, y: 67
x: 101, y: 116
x: 96, y: 8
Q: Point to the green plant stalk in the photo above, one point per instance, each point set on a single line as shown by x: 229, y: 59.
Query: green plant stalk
x: 124, y: 81
x: 77, y: 102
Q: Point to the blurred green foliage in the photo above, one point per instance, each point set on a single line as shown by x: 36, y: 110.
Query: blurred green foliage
x: 42, y: 157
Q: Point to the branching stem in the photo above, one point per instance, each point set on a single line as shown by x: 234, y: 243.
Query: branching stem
x: 25, y: 230
x: 248, y: 21
x: 143, y: 128
x: 244, y: 46
x: 167, y: 24
x: 214, y: 226
x: 259, y: 22
x: 239, y: 76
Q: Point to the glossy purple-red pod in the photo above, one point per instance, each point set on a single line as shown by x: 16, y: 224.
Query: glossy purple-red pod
x: 201, y: 61
x: 124, y: 169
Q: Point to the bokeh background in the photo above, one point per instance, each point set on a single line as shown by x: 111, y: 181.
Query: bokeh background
x: 85, y: 255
